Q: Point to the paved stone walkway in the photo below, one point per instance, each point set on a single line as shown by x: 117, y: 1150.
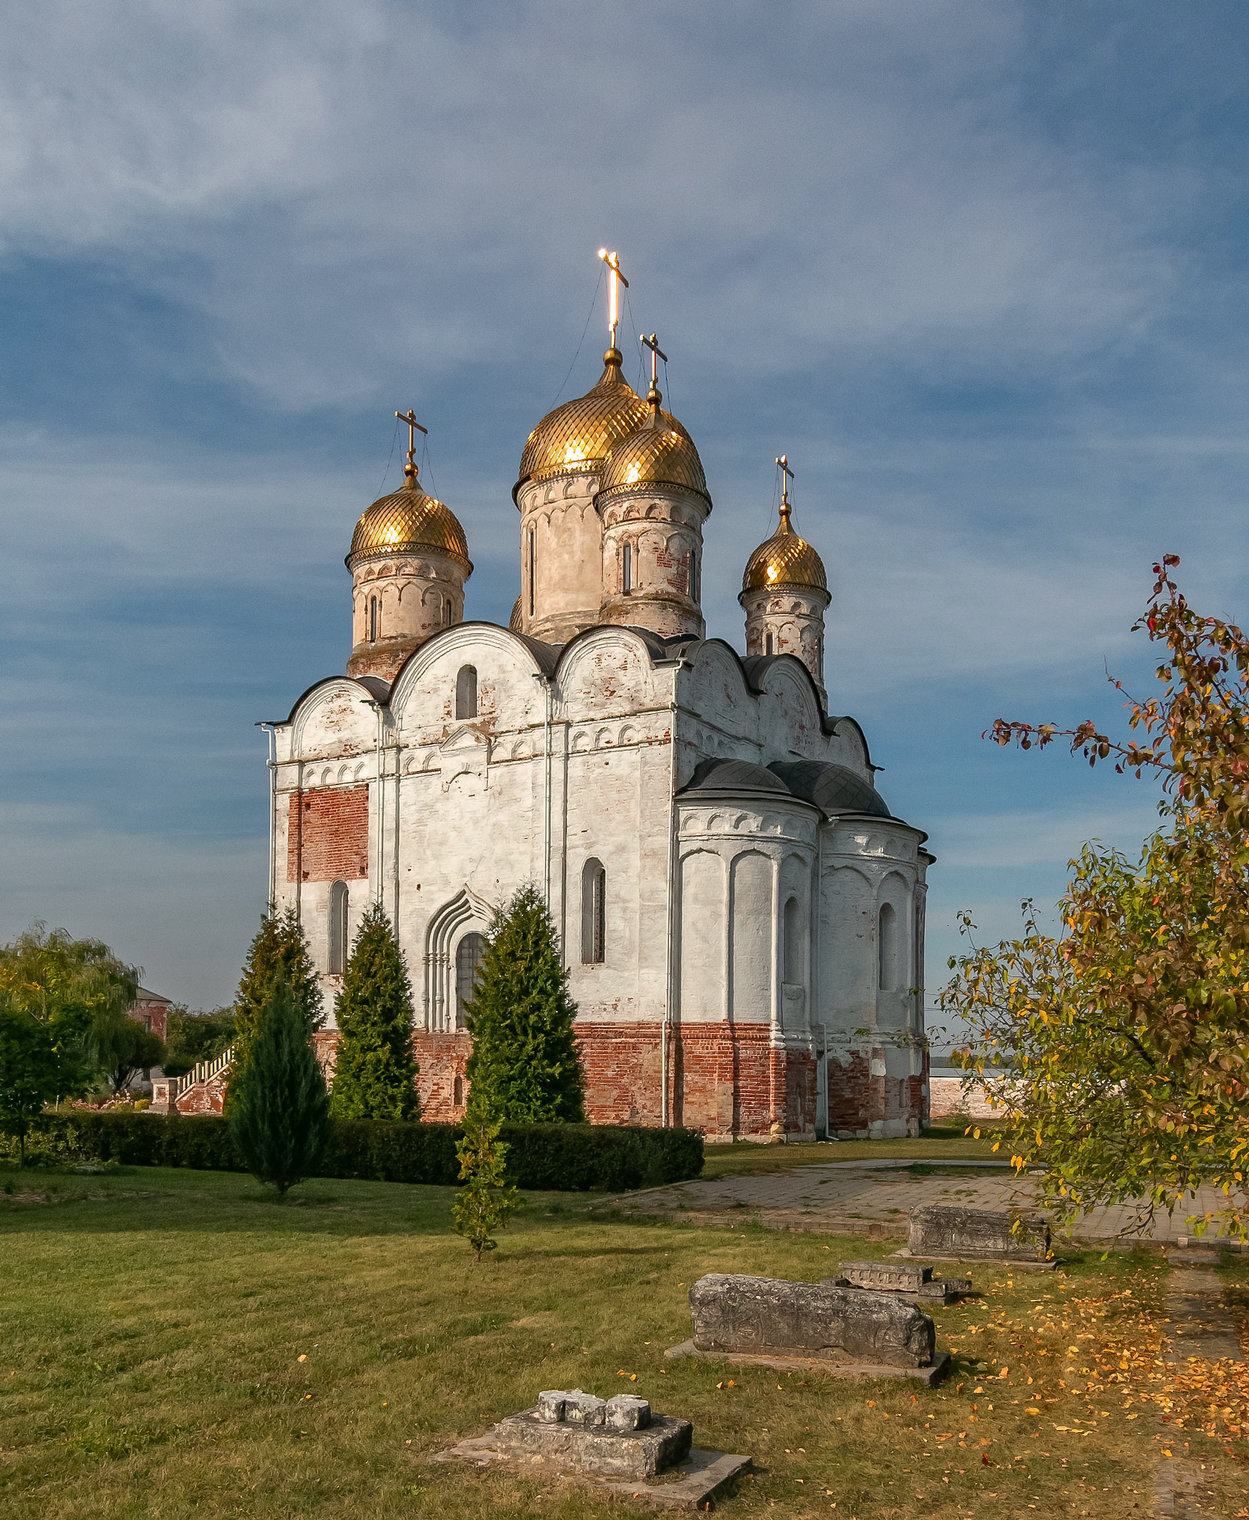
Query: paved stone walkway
x: 878, y: 1194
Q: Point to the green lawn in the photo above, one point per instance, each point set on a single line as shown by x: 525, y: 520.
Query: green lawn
x: 156, y: 1325
x: 947, y: 1141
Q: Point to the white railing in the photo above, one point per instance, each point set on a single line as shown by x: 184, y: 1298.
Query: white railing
x: 205, y: 1071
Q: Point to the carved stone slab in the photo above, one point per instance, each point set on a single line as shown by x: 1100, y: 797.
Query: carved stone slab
x: 761, y: 1315
x: 943, y: 1231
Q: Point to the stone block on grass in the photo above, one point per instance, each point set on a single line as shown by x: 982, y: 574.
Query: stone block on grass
x: 757, y: 1315
x: 940, y: 1230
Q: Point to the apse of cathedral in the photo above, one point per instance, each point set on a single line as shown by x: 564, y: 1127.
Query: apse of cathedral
x: 741, y: 915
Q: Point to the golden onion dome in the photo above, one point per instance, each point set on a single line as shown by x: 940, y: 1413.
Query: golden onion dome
x: 515, y: 621
x: 785, y: 559
x: 659, y: 453
x: 577, y: 437
x: 408, y: 521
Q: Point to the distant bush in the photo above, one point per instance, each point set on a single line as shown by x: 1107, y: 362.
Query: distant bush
x: 559, y: 1157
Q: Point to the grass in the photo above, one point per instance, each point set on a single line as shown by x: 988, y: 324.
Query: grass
x: 745, y: 1158
x: 177, y: 1344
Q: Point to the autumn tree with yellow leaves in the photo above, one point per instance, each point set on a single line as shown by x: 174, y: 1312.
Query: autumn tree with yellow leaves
x: 1123, y: 1042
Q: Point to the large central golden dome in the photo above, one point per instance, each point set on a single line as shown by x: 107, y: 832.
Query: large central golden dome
x: 577, y: 437
x: 785, y: 559
x: 408, y: 521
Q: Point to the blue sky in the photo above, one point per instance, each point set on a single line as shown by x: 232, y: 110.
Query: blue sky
x: 979, y: 268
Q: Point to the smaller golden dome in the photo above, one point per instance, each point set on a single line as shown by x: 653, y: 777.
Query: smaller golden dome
x: 659, y: 453
x: 515, y: 622
x: 575, y: 438
x: 408, y: 521
x: 784, y: 560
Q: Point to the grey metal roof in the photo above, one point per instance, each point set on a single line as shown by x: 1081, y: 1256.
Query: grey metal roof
x: 833, y: 788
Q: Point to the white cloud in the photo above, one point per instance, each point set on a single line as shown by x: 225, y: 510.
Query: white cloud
x: 336, y: 186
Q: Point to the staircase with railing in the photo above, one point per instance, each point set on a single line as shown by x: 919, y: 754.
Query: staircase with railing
x: 166, y: 1091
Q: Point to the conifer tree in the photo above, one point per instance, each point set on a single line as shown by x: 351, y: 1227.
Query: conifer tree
x: 524, y: 1068
x: 280, y: 1114
x: 374, y: 1069
x: 278, y: 952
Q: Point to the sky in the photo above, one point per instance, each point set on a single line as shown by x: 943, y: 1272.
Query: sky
x: 977, y: 266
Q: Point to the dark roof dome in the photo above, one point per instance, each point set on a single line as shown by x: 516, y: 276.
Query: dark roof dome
x: 833, y: 788
x: 733, y: 776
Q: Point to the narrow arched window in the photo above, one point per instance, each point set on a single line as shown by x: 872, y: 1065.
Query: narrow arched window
x: 532, y: 557
x: 693, y: 575
x: 593, y: 914
x: 375, y: 619
x: 767, y: 643
x: 792, y: 943
x: 457, y: 1092
x: 626, y: 569
x: 466, y: 692
x: 337, y: 958
x: 887, y: 948
x: 468, y: 958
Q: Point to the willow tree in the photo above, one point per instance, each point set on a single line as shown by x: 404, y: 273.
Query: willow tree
x: 1123, y: 1041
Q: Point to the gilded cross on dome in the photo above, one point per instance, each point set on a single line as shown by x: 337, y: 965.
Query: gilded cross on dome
x: 657, y: 354
x: 786, y: 476
x: 414, y: 427
x: 614, y: 281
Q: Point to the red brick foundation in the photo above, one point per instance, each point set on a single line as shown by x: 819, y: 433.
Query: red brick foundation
x: 725, y: 1080
x: 441, y: 1082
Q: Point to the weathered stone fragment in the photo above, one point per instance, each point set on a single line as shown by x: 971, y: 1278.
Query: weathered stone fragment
x: 944, y: 1289
x: 584, y: 1408
x: 551, y: 1406
x: 885, y: 1276
x: 940, y: 1230
x: 663, y: 1444
x: 625, y: 1412
x: 760, y: 1314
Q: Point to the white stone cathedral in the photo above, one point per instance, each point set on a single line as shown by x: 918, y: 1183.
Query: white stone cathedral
x: 741, y: 915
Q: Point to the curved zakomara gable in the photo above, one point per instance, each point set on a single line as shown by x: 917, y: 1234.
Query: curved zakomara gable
x: 357, y: 694
x: 760, y: 674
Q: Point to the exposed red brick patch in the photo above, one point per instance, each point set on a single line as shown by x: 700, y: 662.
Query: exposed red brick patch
x: 328, y: 834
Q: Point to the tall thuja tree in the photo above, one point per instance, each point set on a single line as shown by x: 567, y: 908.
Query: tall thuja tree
x: 524, y: 1068
x: 280, y: 1113
x: 374, y: 1068
x: 279, y: 953
x: 1125, y: 1038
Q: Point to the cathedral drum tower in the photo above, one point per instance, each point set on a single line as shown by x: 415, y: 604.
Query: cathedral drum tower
x: 740, y: 913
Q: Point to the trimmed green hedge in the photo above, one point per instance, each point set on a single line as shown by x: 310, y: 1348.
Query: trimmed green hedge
x: 560, y: 1157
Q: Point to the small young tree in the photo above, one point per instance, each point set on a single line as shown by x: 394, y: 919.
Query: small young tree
x: 280, y: 1115
x: 30, y: 1072
x: 488, y: 1200
x: 524, y: 1067
x: 374, y: 1068
x: 279, y: 952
